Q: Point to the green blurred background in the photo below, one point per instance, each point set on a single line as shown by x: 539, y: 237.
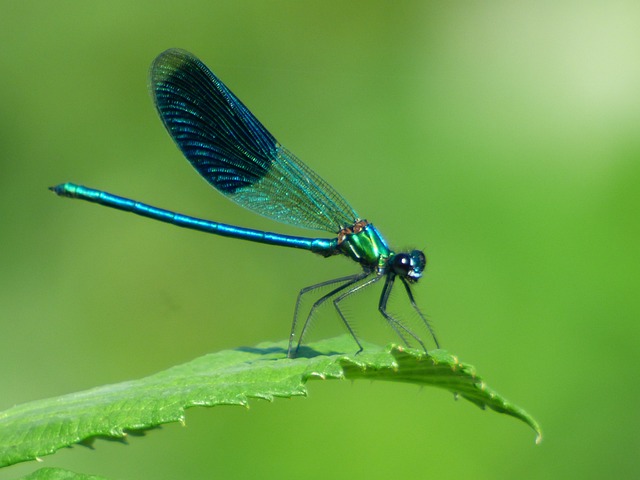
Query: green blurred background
x: 502, y: 137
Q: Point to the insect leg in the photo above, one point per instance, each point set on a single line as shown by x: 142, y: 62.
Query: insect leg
x: 397, y: 324
x: 348, y: 281
x: 415, y: 307
x: 337, y: 300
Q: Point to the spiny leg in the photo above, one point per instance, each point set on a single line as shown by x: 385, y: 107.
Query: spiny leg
x: 337, y: 300
x: 350, y: 280
x: 311, y: 288
x: 382, y: 307
x: 384, y: 297
x: 415, y: 307
x: 353, y: 280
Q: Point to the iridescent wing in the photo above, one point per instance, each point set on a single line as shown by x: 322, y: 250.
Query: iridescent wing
x: 233, y: 151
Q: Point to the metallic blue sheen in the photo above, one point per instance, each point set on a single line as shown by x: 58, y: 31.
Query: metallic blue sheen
x: 237, y: 155
x: 322, y: 246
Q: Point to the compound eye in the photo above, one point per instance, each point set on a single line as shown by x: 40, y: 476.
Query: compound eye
x: 402, y: 264
x: 419, y: 261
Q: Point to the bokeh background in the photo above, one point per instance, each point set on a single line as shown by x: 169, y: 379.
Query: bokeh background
x: 501, y: 137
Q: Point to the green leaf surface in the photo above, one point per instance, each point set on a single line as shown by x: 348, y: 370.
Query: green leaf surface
x: 230, y: 377
x: 49, y: 473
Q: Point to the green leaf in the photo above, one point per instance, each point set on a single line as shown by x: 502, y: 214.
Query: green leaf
x: 49, y: 473
x: 229, y: 377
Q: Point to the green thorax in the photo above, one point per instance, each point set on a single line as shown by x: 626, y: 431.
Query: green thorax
x: 363, y: 243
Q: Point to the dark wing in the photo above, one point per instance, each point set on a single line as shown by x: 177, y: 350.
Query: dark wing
x: 233, y: 151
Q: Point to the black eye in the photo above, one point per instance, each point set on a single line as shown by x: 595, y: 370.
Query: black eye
x: 402, y: 264
x: 409, y: 265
